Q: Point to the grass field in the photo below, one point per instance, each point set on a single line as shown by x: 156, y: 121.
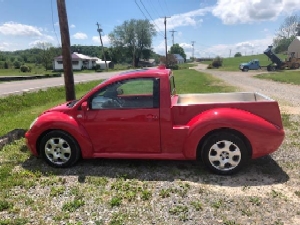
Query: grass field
x: 232, y: 64
x: 285, y: 76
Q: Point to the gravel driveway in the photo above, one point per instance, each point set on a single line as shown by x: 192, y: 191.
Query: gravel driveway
x: 115, y: 192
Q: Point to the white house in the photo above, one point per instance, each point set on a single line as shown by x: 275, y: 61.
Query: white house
x: 294, y: 47
x: 80, y: 62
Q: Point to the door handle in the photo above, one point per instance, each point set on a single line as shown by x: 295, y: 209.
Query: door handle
x: 150, y: 116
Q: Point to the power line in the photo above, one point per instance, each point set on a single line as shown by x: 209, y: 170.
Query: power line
x: 150, y: 16
x: 53, y: 25
x: 146, y: 16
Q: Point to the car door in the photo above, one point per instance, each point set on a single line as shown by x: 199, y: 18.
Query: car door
x: 124, y: 117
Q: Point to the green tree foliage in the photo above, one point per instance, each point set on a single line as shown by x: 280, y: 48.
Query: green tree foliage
x: 286, y: 33
x: 171, y: 60
x: 17, y: 64
x: 134, y: 34
x: 238, y: 54
x: 46, y: 55
x: 5, y: 65
x: 176, y: 49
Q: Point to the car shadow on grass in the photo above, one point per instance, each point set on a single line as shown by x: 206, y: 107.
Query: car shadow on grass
x: 259, y: 172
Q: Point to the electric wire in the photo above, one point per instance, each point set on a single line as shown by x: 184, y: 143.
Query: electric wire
x: 59, y: 44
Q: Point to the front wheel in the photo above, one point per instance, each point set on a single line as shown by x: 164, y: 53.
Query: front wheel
x: 59, y: 149
x: 245, y: 69
x: 224, y: 153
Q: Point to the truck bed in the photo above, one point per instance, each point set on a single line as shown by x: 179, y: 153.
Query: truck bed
x: 187, y: 99
x: 186, y: 106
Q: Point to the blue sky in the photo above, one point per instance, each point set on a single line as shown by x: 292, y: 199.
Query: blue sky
x: 218, y: 27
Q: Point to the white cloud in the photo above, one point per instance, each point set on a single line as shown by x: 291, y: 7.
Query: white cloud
x: 80, y: 36
x: 105, y: 40
x: 4, y: 46
x: 56, y: 24
x: 72, y: 26
x: 247, y: 11
x: 184, y: 19
x: 17, y: 29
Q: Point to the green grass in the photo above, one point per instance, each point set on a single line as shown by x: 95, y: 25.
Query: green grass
x: 232, y: 64
x: 191, y: 81
x: 286, y: 76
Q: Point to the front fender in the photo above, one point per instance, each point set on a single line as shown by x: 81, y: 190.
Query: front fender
x: 60, y: 121
x: 264, y: 137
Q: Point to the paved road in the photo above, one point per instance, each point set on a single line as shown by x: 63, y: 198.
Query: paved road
x: 18, y: 87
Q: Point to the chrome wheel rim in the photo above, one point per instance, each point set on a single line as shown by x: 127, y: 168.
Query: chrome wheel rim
x: 57, y: 150
x: 224, y: 155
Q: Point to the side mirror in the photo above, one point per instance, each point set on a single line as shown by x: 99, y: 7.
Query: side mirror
x: 84, y: 106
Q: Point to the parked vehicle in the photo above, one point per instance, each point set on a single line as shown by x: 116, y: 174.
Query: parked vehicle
x: 252, y: 65
x: 138, y: 115
x: 277, y: 64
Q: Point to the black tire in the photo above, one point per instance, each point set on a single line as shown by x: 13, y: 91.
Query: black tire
x: 245, y: 69
x: 224, y: 153
x: 59, y: 149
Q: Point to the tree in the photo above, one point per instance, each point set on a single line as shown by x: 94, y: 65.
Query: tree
x: 286, y: 33
x: 136, y: 35
x: 171, y: 60
x: 47, y: 54
x: 238, y: 54
x: 176, y: 49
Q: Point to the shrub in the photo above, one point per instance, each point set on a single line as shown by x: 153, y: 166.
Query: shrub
x: 17, y: 64
x: 209, y: 66
x: 24, y: 68
x: 218, y: 61
x: 174, y: 67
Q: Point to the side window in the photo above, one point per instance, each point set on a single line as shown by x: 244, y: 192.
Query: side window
x: 131, y: 93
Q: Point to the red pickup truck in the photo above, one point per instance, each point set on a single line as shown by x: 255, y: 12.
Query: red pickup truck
x: 138, y: 115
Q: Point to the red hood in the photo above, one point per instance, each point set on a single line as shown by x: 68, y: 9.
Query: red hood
x: 60, y: 108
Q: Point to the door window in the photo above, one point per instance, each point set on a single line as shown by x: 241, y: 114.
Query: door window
x: 131, y: 93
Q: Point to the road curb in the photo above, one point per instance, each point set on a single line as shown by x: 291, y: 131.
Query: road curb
x: 12, y: 136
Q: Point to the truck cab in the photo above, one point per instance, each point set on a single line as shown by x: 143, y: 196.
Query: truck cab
x: 252, y: 65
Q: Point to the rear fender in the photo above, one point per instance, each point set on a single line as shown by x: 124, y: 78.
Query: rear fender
x: 251, y: 126
x: 60, y: 121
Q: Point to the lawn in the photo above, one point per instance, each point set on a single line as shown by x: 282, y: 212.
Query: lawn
x: 285, y: 76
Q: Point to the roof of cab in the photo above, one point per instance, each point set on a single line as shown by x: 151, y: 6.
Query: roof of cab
x: 160, y: 71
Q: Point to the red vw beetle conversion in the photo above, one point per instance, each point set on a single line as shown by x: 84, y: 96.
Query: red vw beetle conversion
x: 138, y: 115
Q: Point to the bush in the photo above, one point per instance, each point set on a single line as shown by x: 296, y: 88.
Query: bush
x: 209, y: 66
x: 17, y: 64
x: 218, y: 61
x: 25, y: 69
x: 174, y: 67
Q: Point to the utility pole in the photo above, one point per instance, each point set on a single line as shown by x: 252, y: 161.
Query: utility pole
x: 229, y: 53
x: 165, y: 22
x: 66, y: 50
x: 173, y: 31
x: 99, y: 31
x: 193, y: 42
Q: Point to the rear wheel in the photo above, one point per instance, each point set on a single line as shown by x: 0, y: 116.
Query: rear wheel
x: 224, y: 153
x: 59, y: 149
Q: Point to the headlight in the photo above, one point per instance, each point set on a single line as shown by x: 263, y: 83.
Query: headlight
x: 33, y: 122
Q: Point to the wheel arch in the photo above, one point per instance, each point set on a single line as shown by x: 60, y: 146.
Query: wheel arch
x: 223, y: 129
x: 38, y: 142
